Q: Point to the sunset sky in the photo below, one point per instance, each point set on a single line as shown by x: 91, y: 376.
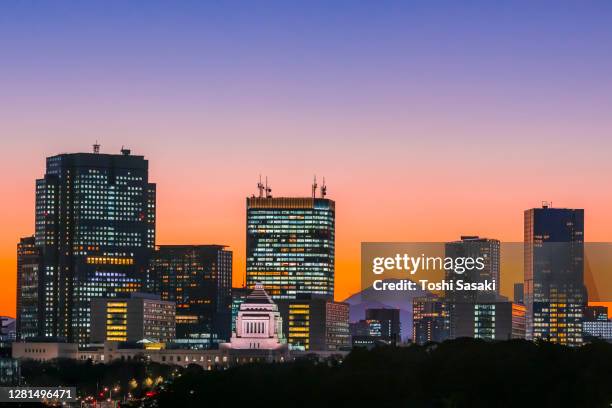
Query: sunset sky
x: 427, y: 122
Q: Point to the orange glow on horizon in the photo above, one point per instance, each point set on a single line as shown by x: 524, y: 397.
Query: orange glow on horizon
x: 429, y: 208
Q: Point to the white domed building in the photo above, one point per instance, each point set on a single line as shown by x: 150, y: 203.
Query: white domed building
x: 259, y: 325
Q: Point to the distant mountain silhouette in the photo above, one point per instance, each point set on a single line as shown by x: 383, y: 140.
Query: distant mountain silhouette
x: 372, y: 299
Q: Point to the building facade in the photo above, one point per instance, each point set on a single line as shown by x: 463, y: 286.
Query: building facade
x: 431, y: 320
x: 95, y: 227
x: 475, y: 247
x: 44, y: 351
x: 290, y: 245
x: 437, y: 320
x: 487, y: 321
x: 598, y: 329
x: 29, y: 290
x: 314, y: 322
x: 380, y: 326
x: 596, y: 324
x: 389, y: 319
x: 555, y: 294
x: 595, y: 313
x: 10, y: 373
x: 135, y: 318
x: 8, y: 334
x: 199, y: 279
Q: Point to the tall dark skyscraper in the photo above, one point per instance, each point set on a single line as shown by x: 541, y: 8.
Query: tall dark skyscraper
x: 199, y: 279
x: 555, y: 294
x: 29, y: 306
x: 95, y: 226
x: 475, y: 247
x: 290, y: 244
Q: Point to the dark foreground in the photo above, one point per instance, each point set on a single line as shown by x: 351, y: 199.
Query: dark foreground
x: 460, y: 373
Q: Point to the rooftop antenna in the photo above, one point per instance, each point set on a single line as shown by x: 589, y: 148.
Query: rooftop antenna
x: 268, y: 189
x: 546, y: 204
x: 260, y: 187
x: 314, y: 187
x: 96, y: 148
x: 323, y: 189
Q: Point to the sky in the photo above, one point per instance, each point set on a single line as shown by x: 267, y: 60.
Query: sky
x: 428, y: 120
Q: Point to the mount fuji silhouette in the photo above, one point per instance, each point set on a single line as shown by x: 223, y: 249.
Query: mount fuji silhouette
x: 378, y: 299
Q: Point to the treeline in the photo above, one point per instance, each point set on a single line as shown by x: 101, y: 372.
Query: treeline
x: 127, y: 377
x: 457, y: 373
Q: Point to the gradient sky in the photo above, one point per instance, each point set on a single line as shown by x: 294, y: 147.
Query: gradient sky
x: 428, y: 119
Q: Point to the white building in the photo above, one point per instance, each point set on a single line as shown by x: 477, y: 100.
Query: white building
x: 259, y: 325
x: 44, y: 351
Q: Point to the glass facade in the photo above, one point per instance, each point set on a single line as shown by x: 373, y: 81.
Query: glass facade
x: 555, y: 294
x: 315, y: 322
x: 475, y: 247
x: 290, y: 246
x: 601, y: 330
x: 431, y: 320
x: 28, y: 271
x: 141, y: 316
x: 484, y: 321
x: 199, y: 279
x: 95, y: 226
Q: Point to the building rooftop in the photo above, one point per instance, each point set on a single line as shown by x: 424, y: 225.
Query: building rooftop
x: 259, y: 295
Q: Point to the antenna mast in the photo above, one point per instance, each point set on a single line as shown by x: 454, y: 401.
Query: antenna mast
x: 268, y: 189
x: 96, y: 147
x: 260, y: 187
x: 323, y: 189
x: 314, y: 187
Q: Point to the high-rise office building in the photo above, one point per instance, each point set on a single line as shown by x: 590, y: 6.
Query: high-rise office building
x: 290, y: 244
x: 133, y: 318
x: 199, y: 279
x: 555, y: 294
x: 314, y: 322
x: 95, y: 227
x: 29, y: 296
x: 475, y: 247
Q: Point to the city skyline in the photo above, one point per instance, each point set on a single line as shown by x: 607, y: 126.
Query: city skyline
x: 434, y: 123
x: 239, y: 276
